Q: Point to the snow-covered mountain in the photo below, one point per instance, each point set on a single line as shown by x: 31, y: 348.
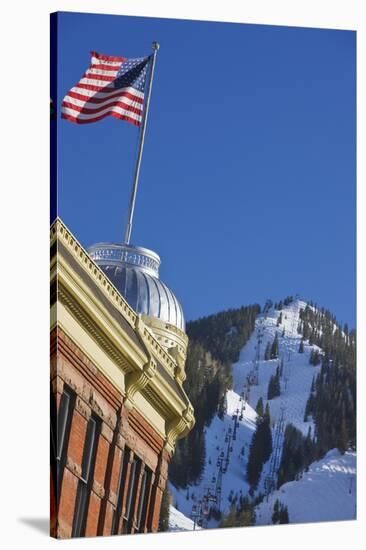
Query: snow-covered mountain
x: 327, y: 490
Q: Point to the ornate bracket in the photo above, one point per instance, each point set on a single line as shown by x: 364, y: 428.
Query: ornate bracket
x: 178, y: 427
x: 137, y: 381
x: 180, y: 359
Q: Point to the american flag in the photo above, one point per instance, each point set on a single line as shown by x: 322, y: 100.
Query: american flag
x: 111, y: 86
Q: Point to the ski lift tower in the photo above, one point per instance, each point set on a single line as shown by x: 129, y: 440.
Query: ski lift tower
x: 271, y: 479
x: 254, y: 373
x: 221, y: 462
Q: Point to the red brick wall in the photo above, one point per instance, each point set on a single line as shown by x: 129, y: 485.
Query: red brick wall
x: 94, y: 393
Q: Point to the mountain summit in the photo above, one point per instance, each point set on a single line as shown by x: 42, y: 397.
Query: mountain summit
x: 281, y: 445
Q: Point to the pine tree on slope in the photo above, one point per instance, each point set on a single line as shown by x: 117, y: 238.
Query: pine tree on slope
x: 301, y: 347
x: 259, y: 409
x: 260, y: 450
x: 274, y: 348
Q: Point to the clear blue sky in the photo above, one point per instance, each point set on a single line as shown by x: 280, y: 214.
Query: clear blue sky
x: 247, y: 186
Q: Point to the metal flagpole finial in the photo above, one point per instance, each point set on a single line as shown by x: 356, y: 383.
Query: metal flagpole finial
x: 155, y: 45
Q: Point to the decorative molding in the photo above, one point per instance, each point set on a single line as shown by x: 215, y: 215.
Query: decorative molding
x: 99, y: 336
x: 137, y: 381
x: 178, y: 428
x: 98, y: 489
x: 174, y: 341
x: 76, y: 370
x: 147, y: 367
x: 57, y: 385
x: 114, y: 254
x: 82, y: 408
x: 107, y: 433
x: 112, y: 497
x: 60, y: 231
x: 74, y: 468
x: 152, y: 343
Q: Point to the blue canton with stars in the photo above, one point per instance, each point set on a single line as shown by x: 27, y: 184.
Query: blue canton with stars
x: 132, y: 73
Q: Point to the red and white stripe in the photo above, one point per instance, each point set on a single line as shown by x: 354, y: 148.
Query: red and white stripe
x: 93, y: 98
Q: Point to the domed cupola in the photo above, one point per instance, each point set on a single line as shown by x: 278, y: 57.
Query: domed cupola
x: 134, y: 271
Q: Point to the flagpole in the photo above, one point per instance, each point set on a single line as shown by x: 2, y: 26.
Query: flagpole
x: 155, y: 47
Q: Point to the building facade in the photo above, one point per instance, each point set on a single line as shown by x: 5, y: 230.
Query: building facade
x: 117, y: 401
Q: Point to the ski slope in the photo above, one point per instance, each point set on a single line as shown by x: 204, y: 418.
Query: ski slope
x: 300, y: 373
x: 327, y: 492
x: 179, y: 522
x: 295, y: 382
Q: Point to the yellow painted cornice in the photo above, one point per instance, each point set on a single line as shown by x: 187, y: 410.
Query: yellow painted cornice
x: 59, y: 232
x: 147, y: 368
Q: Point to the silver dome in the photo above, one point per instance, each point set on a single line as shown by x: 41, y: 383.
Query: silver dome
x: 134, y: 271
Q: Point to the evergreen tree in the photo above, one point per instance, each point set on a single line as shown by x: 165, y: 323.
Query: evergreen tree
x: 305, y: 330
x: 271, y: 388
x: 280, y: 513
x: 267, y: 306
x: 260, y: 450
x: 274, y: 386
x: 274, y: 348
x: 276, y: 512
x: 279, y: 320
x: 343, y: 437
x: 222, y: 406
x: 281, y: 367
x: 332, y: 401
x: 315, y: 357
x: 297, y: 453
x: 240, y: 516
x: 267, y: 353
x: 312, y: 338
x: 301, y: 347
x: 284, y: 518
x: 259, y: 409
x: 214, y: 344
x: 308, y: 407
x: 267, y: 414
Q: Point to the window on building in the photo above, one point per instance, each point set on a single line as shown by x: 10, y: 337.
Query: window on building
x: 144, y: 498
x: 87, y: 476
x: 120, y: 492
x: 64, y: 418
x: 131, y: 495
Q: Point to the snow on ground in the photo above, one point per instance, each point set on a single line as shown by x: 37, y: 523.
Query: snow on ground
x: 299, y: 372
x: 234, y: 479
x: 179, y: 522
x: 295, y: 388
x: 327, y: 492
